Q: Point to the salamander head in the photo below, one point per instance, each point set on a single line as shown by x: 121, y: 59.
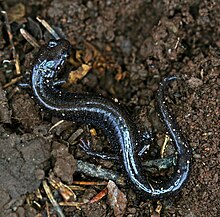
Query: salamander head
x: 51, y: 58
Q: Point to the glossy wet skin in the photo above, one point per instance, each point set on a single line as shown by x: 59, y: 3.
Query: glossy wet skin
x: 52, y: 58
x: 108, y: 116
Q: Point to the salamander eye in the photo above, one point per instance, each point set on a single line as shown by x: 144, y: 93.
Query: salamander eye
x: 52, y: 43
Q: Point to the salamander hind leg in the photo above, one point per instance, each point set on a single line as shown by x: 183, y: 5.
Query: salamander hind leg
x: 85, y: 145
x: 146, y: 140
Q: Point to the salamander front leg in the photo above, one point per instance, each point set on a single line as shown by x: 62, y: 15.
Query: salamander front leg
x: 25, y: 82
x: 59, y: 82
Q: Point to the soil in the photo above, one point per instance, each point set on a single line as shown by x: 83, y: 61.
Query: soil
x: 131, y: 46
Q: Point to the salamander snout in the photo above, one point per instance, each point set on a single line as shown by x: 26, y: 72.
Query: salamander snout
x: 58, y: 48
x: 51, y: 58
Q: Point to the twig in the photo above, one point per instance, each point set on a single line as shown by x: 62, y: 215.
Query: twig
x: 14, y: 54
x: 52, y: 200
x: 13, y: 81
x: 89, y: 183
x: 106, y: 174
x: 48, y: 27
x: 29, y: 38
x: 163, y: 148
x: 96, y: 171
x: 160, y: 164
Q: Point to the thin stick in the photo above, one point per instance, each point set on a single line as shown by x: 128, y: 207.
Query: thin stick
x: 29, y: 38
x: 14, y: 54
x: 48, y: 27
x: 52, y: 200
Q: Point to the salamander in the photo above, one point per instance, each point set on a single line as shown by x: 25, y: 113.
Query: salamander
x: 110, y: 117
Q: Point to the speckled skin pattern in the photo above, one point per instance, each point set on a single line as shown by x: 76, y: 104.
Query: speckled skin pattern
x: 108, y: 116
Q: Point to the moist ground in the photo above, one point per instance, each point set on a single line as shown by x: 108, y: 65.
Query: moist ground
x: 131, y: 46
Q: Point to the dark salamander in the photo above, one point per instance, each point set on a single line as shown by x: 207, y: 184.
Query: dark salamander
x: 108, y: 116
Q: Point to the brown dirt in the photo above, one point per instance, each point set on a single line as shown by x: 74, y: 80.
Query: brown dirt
x: 137, y: 43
